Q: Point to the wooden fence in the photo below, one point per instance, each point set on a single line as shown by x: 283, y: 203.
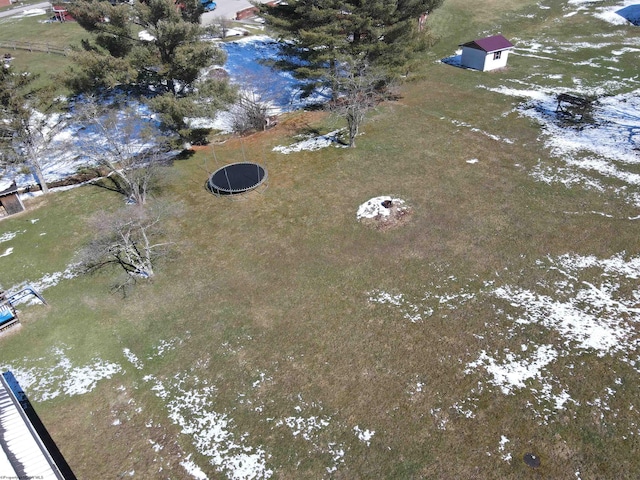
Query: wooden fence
x: 32, y: 47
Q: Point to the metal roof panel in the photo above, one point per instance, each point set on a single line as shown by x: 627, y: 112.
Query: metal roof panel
x: 490, y: 44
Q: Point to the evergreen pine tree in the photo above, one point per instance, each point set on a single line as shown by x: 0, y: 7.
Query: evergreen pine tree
x: 380, y: 33
x: 163, y: 65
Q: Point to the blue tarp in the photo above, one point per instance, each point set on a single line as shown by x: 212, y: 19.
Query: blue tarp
x: 6, y: 315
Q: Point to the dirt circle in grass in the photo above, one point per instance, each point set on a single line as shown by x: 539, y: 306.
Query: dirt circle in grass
x: 384, y: 213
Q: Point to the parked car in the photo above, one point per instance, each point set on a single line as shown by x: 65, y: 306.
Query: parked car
x: 209, y: 6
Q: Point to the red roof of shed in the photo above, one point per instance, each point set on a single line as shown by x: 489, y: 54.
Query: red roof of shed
x: 490, y: 44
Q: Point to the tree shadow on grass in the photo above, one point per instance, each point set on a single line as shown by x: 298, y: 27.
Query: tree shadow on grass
x: 109, y: 183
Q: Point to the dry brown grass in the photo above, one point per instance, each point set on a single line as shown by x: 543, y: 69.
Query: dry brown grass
x: 279, y: 284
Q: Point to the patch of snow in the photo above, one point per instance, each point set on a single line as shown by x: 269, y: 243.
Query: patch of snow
x: 263, y: 378
x: 586, y: 330
x: 561, y: 399
x: 62, y: 377
x: 486, y: 134
x: 624, y: 50
x: 306, y: 427
x: 133, y: 359
x: 145, y: 36
x: 235, y: 32
x: 377, y: 296
x: 31, y: 12
x: 512, y: 373
x: 364, y: 435
x: 80, y: 380
x: 605, y: 148
x: 337, y: 456
x: 165, y: 346
x: 582, y: 2
x: 191, y: 408
x: 416, y: 387
x: 503, y: 442
x: 62, y: 146
x: 313, y: 143
x: 248, y: 65
x: 411, y: 312
x: 454, y: 60
x: 440, y: 418
x: 157, y: 447
x: 7, y: 252
x: 463, y: 410
x: 373, y: 207
x: 595, y: 309
x: 437, y: 298
x: 472, y: 161
x: 192, y: 469
x: 312, y: 428
x: 625, y: 12
x: 48, y: 280
x: 589, y: 317
x: 5, y: 237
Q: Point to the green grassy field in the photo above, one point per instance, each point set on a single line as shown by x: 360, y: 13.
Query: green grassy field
x: 44, y: 35
x: 284, y: 339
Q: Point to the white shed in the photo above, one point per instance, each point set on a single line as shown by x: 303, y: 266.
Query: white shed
x: 486, y: 53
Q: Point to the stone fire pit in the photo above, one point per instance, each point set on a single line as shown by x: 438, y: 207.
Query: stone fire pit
x: 384, y: 213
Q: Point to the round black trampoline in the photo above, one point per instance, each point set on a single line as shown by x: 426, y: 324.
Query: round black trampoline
x: 236, y: 178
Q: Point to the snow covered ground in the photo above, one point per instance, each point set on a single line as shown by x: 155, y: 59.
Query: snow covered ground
x: 604, y: 153
x: 250, y: 65
x: 590, y: 304
x: 64, y: 144
x: 313, y: 142
x: 587, y: 316
x: 191, y: 405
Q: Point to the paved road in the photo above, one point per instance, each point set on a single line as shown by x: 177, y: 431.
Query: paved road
x: 226, y: 9
x: 21, y: 8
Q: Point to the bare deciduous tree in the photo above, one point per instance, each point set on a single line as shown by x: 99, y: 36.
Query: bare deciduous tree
x: 34, y: 141
x: 131, y: 239
x: 26, y: 134
x: 249, y: 113
x: 254, y: 109
x: 360, y: 88
x: 126, y: 145
x: 224, y: 25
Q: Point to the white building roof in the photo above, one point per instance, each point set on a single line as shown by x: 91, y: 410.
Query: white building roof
x: 22, y: 453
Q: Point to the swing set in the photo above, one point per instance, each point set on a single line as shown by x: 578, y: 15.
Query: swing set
x: 8, y: 315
